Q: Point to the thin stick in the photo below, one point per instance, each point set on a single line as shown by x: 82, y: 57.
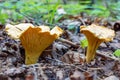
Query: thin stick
x: 82, y: 21
x: 107, y: 56
x: 68, y: 42
x: 66, y: 64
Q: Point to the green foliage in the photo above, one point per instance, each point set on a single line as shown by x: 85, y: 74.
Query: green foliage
x: 28, y: 9
x: 95, y: 10
x: 84, y: 43
x: 51, y: 11
x: 3, y: 17
x: 100, y: 11
x: 74, y: 9
x: 115, y: 10
x: 9, y: 12
x: 45, y: 10
x: 117, y: 53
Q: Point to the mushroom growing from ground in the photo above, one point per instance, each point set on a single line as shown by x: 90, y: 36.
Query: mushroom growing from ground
x: 95, y: 36
x: 35, y: 40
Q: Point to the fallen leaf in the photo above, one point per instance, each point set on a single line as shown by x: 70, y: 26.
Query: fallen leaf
x: 111, y: 78
x: 77, y: 75
x: 73, y: 57
x: 60, y: 75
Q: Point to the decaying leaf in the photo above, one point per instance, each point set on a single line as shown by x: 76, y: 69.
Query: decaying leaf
x: 111, y: 78
x: 77, y: 75
x: 60, y: 75
x: 73, y: 57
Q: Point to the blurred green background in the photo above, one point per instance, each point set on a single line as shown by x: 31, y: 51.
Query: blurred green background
x: 44, y: 11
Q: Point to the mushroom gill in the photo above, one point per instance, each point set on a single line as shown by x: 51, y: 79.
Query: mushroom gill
x: 95, y: 36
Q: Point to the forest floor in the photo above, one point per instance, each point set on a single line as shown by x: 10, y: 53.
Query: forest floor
x: 64, y: 59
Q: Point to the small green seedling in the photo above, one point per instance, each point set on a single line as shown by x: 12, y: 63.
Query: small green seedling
x: 84, y: 43
x: 117, y: 53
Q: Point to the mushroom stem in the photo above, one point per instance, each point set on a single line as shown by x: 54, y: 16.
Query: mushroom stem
x: 93, y: 44
x: 31, y: 57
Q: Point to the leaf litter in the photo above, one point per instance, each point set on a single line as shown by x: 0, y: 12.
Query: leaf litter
x: 65, y: 59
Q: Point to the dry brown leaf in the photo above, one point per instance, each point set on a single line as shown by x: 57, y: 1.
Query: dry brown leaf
x: 60, y: 75
x: 77, y: 75
x: 111, y: 78
x: 73, y: 57
x: 88, y: 75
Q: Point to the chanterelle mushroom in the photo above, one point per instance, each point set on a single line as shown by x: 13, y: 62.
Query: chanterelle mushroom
x: 96, y: 35
x: 35, y: 40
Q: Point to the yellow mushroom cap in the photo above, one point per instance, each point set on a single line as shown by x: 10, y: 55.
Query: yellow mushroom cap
x: 44, y: 28
x: 56, y: 30
x: 35, y: 37
x: 100, y: 32
x: 14, y: 31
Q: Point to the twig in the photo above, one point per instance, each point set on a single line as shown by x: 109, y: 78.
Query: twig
x: 107, y: 56
x: 82, y: 21
x: 94, y: 68
x: 66, y: 64
x: 68, y: 42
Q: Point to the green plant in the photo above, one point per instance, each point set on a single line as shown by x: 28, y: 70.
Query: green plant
x: 84, y: 43
x: 100, y: 11
x: 117, y: 53
x: 45, y: 10
x: 74, y: 9
x: 4, y: 17
x: 30, y: 10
